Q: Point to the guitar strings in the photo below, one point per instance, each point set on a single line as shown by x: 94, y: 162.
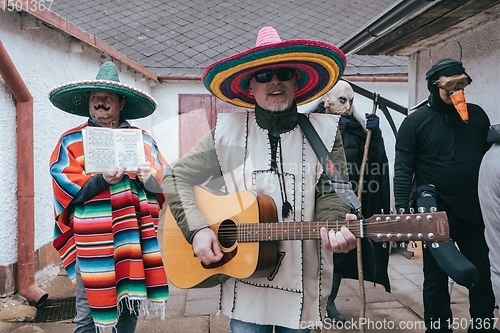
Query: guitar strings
x: 263, y: 231
x: 329, y: 224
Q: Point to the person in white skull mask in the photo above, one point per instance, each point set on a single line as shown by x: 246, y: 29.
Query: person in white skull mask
x: 376, y: 189
x: 339, y: 100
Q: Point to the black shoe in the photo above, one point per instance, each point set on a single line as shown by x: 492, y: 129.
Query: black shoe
x: 333, y: 313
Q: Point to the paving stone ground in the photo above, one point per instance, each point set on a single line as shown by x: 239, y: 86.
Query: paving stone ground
x: 195, y: 310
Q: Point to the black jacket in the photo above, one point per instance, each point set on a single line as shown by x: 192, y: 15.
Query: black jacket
x: 436, y: 147
x: 374, y: 199
x: 376, y: 186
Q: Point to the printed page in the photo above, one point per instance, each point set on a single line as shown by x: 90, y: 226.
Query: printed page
x: 129, y: 148
x: 107, y: 148
x: 99, y: 149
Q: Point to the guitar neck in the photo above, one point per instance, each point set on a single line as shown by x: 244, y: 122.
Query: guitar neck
x: 379, y: 228
x: 260, y: 232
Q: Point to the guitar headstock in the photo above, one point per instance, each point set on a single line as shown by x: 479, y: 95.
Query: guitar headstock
x: 407, y: 227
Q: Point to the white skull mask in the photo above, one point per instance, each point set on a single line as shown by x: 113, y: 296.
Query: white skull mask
x: 339, y: 99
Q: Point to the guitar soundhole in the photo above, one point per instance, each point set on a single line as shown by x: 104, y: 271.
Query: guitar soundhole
x: 227, y: 233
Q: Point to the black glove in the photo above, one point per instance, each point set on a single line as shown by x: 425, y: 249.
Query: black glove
x: 373, y: 123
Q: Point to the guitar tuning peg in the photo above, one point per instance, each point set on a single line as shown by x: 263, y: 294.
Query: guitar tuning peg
x: 394, y: 245
x: 433, y: 209
x: 435, y: 245
x: 402, y: 245
x: 384, y: 245
x: 413, y: 245
x: 382, y: 211
x: 424, y: 245
x: 401, y: 211
x: 412, y: 210
x: 392, y: 210
x: 421, y: 209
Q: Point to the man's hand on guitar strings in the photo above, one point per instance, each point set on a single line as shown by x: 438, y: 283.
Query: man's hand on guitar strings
x: 206, y: 246
x: 339, y: 241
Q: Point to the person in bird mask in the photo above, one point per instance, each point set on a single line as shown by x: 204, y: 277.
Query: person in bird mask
x: 441, y: 144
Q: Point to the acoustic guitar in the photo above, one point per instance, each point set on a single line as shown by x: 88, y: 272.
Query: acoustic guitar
x: 248, y: 233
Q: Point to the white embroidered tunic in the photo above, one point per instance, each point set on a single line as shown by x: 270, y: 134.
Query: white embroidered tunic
x: 295, y: 294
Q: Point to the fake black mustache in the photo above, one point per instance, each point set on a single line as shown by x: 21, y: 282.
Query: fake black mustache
x: 100, y: 106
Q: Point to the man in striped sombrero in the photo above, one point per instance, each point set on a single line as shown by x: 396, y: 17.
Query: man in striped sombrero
x: 264, y: 151
x: 106, y: 223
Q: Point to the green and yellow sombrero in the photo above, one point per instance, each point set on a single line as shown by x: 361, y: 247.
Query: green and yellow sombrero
x: 320, y: 65
x: 73, y: 97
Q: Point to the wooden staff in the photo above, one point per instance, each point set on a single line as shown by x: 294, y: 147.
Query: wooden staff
x: 359, y: 253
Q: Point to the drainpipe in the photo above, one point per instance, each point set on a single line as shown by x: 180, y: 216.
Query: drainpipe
x: 383, y: 22
x: 25, y: 182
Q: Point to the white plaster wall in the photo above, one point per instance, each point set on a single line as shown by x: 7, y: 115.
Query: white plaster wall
x: 480, y: 49
x: 43, y: 60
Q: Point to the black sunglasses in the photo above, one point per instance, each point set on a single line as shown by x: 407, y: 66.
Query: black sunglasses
x: 266, y: 75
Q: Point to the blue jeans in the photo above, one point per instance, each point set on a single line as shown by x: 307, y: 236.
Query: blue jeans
x: 84, y: 323
x: 238, y: 326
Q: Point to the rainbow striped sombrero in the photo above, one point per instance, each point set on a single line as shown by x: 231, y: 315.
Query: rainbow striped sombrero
x: 319, y: 64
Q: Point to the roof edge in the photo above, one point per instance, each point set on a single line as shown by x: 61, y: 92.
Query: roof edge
x: 382, y: 23
x: 75, y: 31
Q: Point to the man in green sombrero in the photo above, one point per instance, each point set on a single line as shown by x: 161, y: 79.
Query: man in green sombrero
x: 265, y: 152
x: 106, y: 223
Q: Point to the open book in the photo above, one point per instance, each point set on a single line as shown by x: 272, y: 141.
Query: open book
x: 108, y: 148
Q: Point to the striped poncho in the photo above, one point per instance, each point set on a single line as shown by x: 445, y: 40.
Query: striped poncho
x: 113, y: 234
